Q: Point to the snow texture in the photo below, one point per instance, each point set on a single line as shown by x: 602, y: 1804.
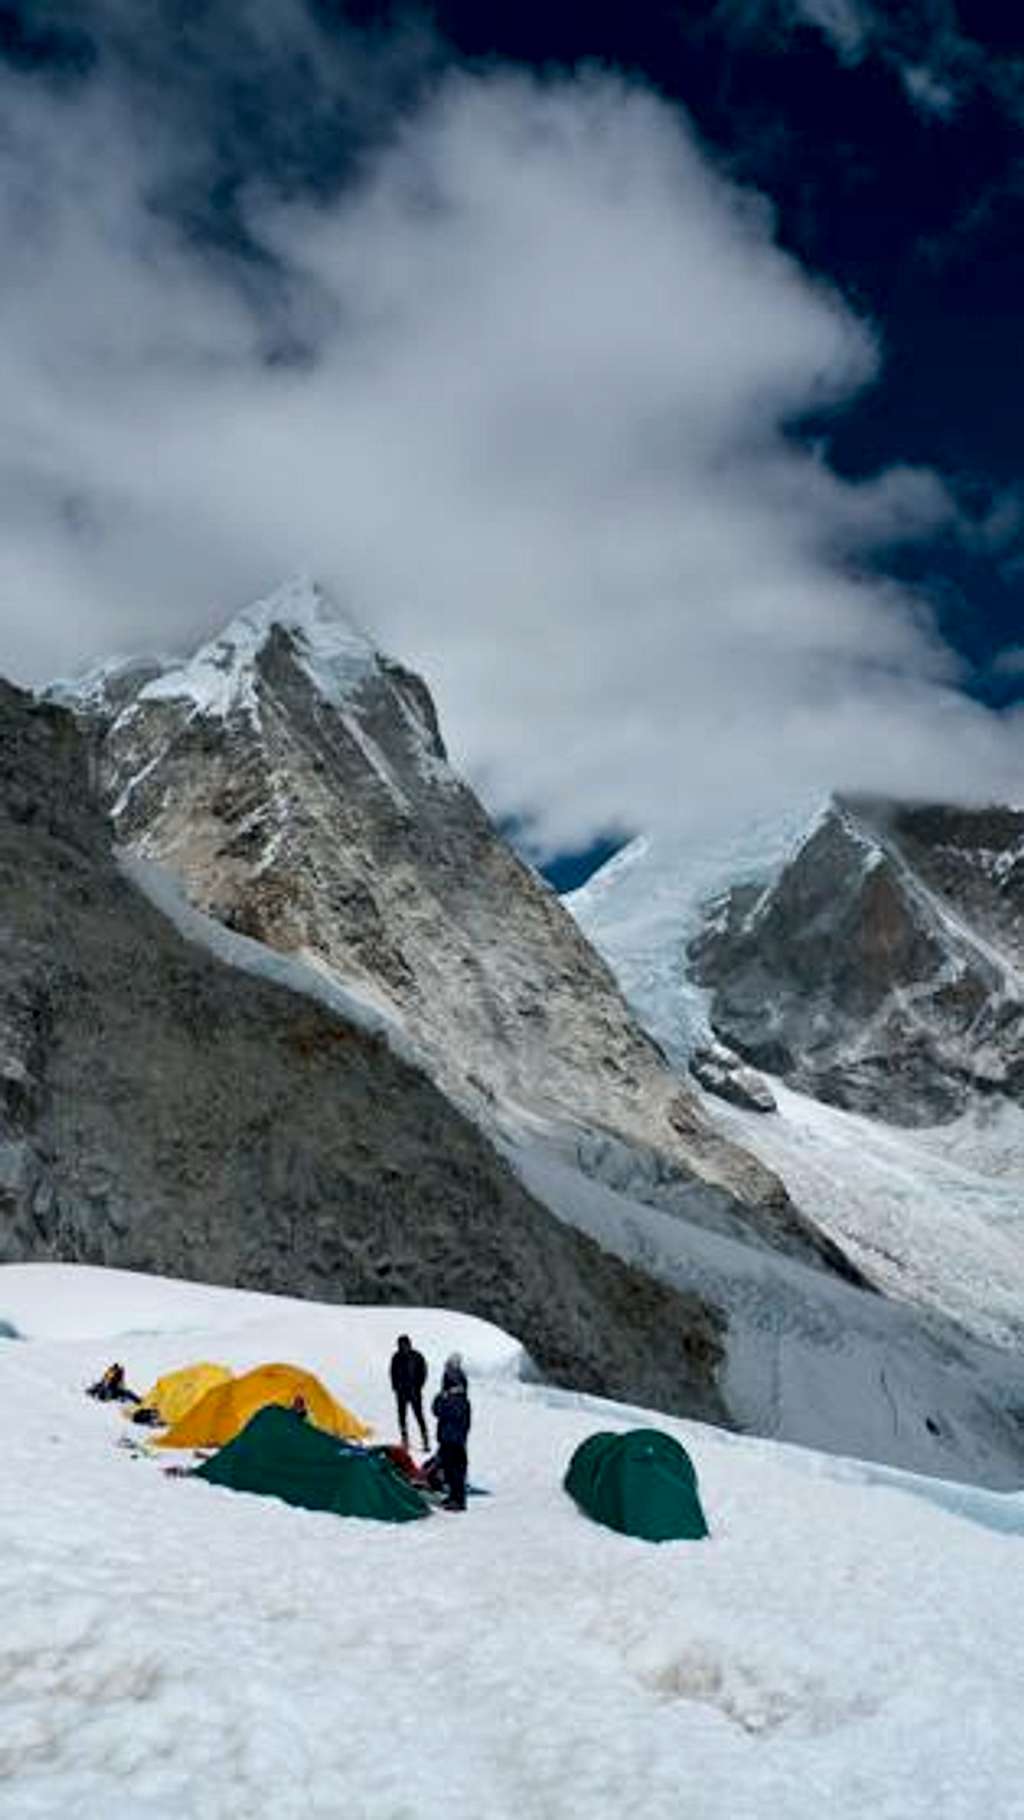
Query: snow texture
x: 844, y: 1644
x: 220, y: 678
x: 932, y: 1215
x: 812, y: 1360
x: 645, y: 906
x: 91, y: 689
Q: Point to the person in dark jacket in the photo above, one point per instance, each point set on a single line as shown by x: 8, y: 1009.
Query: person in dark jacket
x: 408, y: 1376
x: 452, y: 1410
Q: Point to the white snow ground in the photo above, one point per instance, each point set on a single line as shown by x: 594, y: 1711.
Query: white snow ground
x: 842, y: 1645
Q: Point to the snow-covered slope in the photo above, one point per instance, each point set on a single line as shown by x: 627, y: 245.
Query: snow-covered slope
x: 296, y: 782
x: 844, y: 1642
x: 934, y: 1215
x: 645, y: 906
x: 809, y: 1359
x: 869, y: 952
x: 872, y: 954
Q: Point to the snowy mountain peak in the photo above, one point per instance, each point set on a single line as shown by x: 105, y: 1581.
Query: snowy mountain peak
x: 294, y: 780
x: 871, y: 952
x: 650, y: 900
x: 221, y: 677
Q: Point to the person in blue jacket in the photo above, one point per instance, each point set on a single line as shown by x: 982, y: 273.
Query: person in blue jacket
x: 453, y: 1415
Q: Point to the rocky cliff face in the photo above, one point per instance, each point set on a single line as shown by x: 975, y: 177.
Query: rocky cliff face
x: 296, y: 782
x: 883, y: 969
x: 164, y: 1111
x: 209, y: 1107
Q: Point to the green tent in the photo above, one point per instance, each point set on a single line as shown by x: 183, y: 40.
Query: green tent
x: 282, y: 1456
x: 641, y: 1483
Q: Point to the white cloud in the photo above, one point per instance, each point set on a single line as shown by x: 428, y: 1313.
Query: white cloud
x: 540, y: 449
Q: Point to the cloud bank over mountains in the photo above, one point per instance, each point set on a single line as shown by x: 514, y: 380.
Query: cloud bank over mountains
x: 522, y: 390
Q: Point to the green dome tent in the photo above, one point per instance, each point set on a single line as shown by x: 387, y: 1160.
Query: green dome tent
x: 281, y: 1456
x: 641, y: 1483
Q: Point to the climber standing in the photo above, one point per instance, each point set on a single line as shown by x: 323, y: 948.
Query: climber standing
x: 408, y: 1376
x: 452, y: 1410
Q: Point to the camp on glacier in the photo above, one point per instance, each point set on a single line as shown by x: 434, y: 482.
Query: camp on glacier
x: 844, y: 1641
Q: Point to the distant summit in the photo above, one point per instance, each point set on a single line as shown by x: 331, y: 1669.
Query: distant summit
x: 866, y: 959
x: 868, y: 952
x: 225, y: 1045
x: 295, y: 780
x: 221, y: 678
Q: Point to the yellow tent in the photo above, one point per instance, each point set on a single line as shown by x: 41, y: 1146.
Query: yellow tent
x: 173, y: 1395
x: 225, y: 1410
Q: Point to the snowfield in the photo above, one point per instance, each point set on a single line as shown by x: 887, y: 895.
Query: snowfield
x: 847, y: 1643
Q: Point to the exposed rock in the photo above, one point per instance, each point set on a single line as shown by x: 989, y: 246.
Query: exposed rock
x: 171, y: 1112
x: 881, y: 971
x: 871, y: 952
x: 724, y: 1074
x: 295, y: 781
x: 162, y: 1111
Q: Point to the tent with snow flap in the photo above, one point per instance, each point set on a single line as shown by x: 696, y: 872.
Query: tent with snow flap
x: 279, y: 1455
x: 173, y: 1395
x: 641, y: 1483
x: 224, y: 1411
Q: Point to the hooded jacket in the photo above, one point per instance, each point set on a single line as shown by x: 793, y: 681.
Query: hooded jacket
x: 453, y: 1415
